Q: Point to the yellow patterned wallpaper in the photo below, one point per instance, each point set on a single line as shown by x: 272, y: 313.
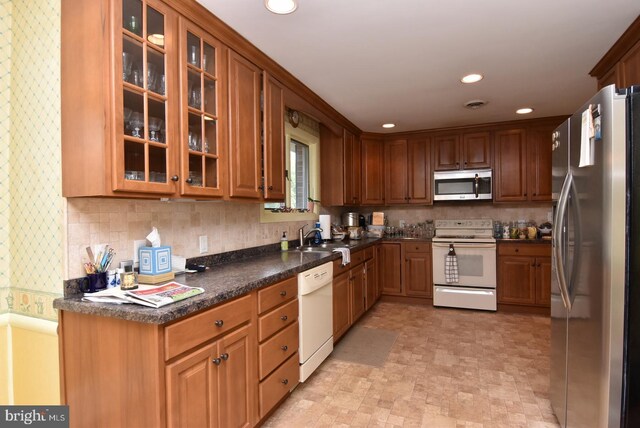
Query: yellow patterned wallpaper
x: 5, y: 111
x: 35, y: 202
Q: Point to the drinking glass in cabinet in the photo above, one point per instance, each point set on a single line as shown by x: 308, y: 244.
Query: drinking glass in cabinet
x: 151, y: 77
x: 127, y: 62
x: 136, y: 122
x: 194, y: 56
x: 210, y: 135
x: 209, y: 59
x: 132, y: 16
x: 209, y: 96
x: 154, y: 129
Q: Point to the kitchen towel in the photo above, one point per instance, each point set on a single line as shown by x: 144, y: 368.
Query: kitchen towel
x: 325, y: 225
x: 451, y: 266
x: 346, y: 255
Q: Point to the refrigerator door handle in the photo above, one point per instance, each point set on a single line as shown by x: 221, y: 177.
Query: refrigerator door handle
x: 559, y: 238
x: 577, y: 240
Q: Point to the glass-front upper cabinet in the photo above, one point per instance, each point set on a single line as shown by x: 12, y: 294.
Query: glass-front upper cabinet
x: 202, y: 133
x: 144, y: 155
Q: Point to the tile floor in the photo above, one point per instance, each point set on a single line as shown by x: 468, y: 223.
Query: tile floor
x: 448, y: 368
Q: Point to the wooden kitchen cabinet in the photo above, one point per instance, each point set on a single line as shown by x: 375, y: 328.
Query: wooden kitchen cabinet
x: 119, y: 106
x: 510, y: 169
x: 391, y: 268
x: 203, y: 159
x: 418, y: 272
x: 524, y: 275
x: 408, y: 174
x: 621, y: 64
x: 371, y: 281
x: 352, y: 168
x: 358, y: 293
x: 372, y: 171
x: 212, y: 386
x: 462, y: 151
x: 274, y: 139
x: 341, y: 305
x: 522, y: 169
x: 245, y: 160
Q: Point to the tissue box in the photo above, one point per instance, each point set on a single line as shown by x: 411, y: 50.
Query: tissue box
x: 154, y: 260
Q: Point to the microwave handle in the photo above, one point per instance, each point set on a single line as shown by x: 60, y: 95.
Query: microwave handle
x: 477, y: 185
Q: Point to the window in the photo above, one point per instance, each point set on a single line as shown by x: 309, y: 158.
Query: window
x: 299, y: 174
x: 303, y: 173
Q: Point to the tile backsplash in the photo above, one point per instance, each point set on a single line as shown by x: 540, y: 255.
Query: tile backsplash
x: 118, y: 222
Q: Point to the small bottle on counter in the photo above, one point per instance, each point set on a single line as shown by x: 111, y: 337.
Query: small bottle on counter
x: 284, y: 243
x: 318, y: 238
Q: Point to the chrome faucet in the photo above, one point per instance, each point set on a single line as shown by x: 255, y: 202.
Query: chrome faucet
x: 304, y: 237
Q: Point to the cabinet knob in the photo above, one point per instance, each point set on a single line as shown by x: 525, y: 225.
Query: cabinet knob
x: 284, y: 347
x: 270, y: 187
x: 283, y: 293
x: 538, y: 265
x: 261, y: 187
x: 534, y: 193
x: 216, y: 361
x: 517, y: 249
x: 175, y: 178
x: 219, y: 323
x: 224, y: 356
x: 189, y: 180
x: 284, y: 318
x: 285, y: 381
x: 533, y: 265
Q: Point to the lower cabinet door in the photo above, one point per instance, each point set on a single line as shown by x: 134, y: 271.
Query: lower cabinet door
x: 341, y: 305
x: 390, y: 266
x: 358, y: 305
x: 371, y: 279
x: 543, y: 281
x: 192, y: 388
x: 418, y: 275
x: 236, y: 379
x: 516, y: 280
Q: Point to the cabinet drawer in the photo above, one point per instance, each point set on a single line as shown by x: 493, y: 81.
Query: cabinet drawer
x: 417, y: 247
x: 535, y: 250
x: 357, y: 258
x: 278, y: 318
x: 368, y: 253
x: 338, y: 268
x: 278, y: 384
x: 277, y: 349
x: 276, y: 294
x: 199, y: 328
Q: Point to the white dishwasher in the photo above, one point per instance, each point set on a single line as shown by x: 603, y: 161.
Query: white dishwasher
x: 315, y: 317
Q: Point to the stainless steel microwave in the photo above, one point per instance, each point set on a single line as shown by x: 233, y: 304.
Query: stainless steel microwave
x: 472, y: 184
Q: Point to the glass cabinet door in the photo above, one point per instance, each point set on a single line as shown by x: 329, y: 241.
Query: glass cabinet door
x: 201, y: 75
x: 143, y: 144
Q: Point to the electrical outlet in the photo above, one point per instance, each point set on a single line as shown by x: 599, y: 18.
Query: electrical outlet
x: 204, y: 244
x: 136, y: 245
x: 549, y: 216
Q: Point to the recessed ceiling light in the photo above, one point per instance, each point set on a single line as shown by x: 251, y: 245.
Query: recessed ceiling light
x: 472, y: 78
x: 389, y: 125
x: 524, y: 110
x: 281, y: 7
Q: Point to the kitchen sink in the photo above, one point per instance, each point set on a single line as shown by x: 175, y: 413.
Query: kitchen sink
x: 326, y: 247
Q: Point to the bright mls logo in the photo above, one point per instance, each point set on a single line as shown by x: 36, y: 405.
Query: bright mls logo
x: 34, y: 416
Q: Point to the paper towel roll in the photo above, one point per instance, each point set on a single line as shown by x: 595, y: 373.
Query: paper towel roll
x: 325, y: 225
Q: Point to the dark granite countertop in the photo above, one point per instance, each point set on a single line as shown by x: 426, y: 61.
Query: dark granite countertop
x: 222, y: 281
x: 523, y: 241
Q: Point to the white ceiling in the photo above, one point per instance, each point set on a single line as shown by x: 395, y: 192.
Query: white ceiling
x: 400, y: 61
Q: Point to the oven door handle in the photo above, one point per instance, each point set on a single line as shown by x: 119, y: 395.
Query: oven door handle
x: 471, y: 245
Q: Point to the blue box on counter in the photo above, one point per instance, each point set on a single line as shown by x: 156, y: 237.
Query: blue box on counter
x: 154, y: 260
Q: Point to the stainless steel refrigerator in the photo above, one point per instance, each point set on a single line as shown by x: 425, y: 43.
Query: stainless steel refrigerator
x: 595, y: 304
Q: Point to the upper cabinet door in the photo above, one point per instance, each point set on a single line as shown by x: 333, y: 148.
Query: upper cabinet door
x: 476, y: 150
x: 274, y: 143
x: 372, y: 172
x: 331, y: 168
x: 352, y: 168
x: 539, y: 174
x: 419, y: 176
x: 446, y: 152
x: 395, y: 154
x: 146, y: 145
x: 202, y: 76
x: 510, y: 177
x: 245, y: 158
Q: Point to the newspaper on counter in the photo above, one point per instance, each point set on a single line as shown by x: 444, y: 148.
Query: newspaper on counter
x: 152, y: 296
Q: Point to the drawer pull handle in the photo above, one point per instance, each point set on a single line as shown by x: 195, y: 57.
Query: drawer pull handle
x: 517, y: 249
x: 284, y: 318
x: 224, y: 356
x: 219, y: 323
x: 283, y: 293
x: 284, y: 347
x: 285, y: 381
x: 216, y: 361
